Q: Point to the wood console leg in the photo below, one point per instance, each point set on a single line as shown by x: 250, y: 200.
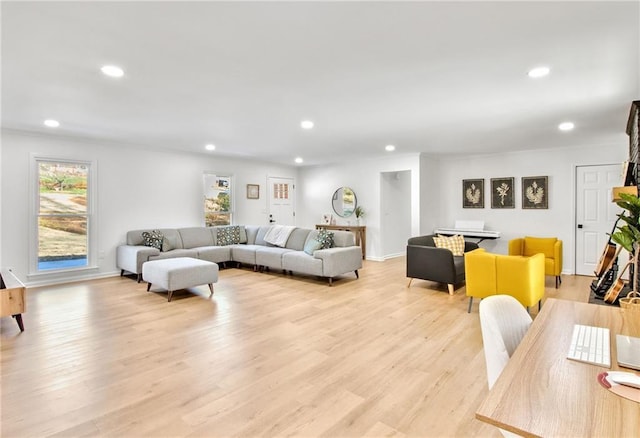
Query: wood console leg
x: 18, y: 318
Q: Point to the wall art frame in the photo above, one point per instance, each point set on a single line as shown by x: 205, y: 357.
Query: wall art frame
x: 502, y: 192
x: 473, y: 193
x: 253, y: 191
x: 535, y: 192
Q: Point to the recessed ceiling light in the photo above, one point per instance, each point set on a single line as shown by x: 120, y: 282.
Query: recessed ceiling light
x: 539, y: 72
x: 306, y: 124
x: 51, y: 123
x: 566, y: 126
x: 112, y: 71
x: 389, y: 148
x: 298, y: 160
x: 210, y: 147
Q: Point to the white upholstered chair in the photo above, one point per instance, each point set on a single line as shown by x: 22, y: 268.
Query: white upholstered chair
x: 504, y: 322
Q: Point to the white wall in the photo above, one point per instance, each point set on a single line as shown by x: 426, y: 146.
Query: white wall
x: 317, y: 184
x: 558, y: 220
x: 137, y: 188
x: 395, y: 220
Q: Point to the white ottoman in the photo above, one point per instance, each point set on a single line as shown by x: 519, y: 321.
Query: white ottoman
x: 179, y: 273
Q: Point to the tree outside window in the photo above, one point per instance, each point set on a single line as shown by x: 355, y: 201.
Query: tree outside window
x: 217, y: 200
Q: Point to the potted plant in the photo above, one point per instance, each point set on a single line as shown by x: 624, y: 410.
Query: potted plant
x: 359, y: 211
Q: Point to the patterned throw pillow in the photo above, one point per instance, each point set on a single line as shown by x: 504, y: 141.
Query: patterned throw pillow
x: 152, y: 238
x: 325, y: 238
x: 455, y: 244
x: 228, y: 235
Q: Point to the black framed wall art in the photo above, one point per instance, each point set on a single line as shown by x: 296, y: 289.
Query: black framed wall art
x: 535, y: 192
x: 502, y: 193
x: 473, y: 193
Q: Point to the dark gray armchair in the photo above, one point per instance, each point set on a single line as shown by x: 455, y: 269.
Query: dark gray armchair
x: 426, y: 262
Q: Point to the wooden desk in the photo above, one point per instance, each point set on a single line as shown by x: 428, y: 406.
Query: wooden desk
x: 12, y: 299
x: 359, y: 231
x: 542, y: 393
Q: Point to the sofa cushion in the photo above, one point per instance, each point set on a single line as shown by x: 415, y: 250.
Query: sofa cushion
x: 297, y: 239
x: 455, y: 244
x: 195, y: 237
x: 228, y: 235
x: 175, y: 253
x: 300, y: 261
x: 270, y: 256
x: 215, y: 254
x: 153, y: 238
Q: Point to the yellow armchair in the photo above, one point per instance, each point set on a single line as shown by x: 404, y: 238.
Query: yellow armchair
x: 551, y: 247
x: 496, y: 274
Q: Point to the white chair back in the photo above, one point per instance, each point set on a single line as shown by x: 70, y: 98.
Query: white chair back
x: 504, y: 322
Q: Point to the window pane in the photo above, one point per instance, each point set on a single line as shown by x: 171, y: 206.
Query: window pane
x: 63, y: 187
x: 212, y: 219
x: 62, y: 242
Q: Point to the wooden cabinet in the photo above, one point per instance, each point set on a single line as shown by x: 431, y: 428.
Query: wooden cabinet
x: 12, y: 297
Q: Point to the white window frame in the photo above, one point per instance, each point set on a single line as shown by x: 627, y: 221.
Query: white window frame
x: 92, y: 202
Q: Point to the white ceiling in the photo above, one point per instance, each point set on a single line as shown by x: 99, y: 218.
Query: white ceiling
x: 435, y: 77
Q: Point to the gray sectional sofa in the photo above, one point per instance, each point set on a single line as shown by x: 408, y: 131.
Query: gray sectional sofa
x: 207, y: 243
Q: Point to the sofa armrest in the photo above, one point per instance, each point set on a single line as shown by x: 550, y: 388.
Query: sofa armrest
x: 557, y: 252
x: 431, y: 263
x: 131, y: 257
x: 339, y: 260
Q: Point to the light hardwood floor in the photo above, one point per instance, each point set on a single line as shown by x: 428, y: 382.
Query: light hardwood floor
x: 268, y: 355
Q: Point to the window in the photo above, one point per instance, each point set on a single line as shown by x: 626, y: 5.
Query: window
x: 62, y: 218
x: 217, y: 200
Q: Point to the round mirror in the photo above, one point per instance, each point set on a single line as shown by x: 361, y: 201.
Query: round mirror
x: 344, y: 202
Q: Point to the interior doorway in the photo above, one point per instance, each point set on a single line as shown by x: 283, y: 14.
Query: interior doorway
x: 595, y: 213
x: 395, y: 209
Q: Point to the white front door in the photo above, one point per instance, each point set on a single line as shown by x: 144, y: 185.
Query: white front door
x: 281, y: 200
x: 595, y: 213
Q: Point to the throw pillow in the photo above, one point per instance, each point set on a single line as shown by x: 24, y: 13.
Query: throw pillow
x: 455, y: 244
x: 152, y: 238
x: 325, y: 238
x: 228, y: 235
x: 311, y: 246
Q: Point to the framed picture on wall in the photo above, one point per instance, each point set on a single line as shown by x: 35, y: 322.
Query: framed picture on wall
x: 253, y: 191
x: 502, y: 193
x: 473, y: 193
x: 535, y: 192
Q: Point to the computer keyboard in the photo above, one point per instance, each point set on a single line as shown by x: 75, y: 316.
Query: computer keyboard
x: 591, y: 345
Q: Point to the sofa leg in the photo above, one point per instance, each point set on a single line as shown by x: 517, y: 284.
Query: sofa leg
x: 410, y: 280
x: 170, y: 294
x: 470, y: 303
x: 539, y: 305
x: 121, y: 272
x: 357, y: 275
x: 211, y: 289
x: 139, y: 277
x: 148, y: 287
x: 558, y: 280
x: 330, y: 281
x: 451, y: 288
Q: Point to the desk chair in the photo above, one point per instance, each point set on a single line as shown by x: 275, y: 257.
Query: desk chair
x: 504, y: 322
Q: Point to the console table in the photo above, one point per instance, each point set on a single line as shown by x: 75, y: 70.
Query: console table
x: 360, y: 232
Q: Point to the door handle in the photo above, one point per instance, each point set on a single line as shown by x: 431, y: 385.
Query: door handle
x: 579, y: 225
